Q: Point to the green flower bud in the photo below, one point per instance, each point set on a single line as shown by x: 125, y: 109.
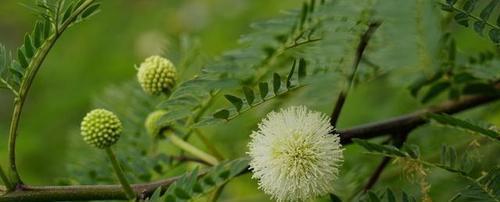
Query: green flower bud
x: 152, y: 123
x: 156, y: 75
x: 101, y: 128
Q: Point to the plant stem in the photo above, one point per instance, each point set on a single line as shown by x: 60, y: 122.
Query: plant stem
x: 192, y: 149
x: 5, y: 180
x: 119, y: 173
x: 25, y: 86
x: 363, y: 43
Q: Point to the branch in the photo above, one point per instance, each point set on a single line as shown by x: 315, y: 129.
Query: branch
x: 412, y: 120
x: 363, y: 43
x: 81, y: 192
x: 398, y: 142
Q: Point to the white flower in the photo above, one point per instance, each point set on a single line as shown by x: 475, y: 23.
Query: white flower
x: 294, y: 156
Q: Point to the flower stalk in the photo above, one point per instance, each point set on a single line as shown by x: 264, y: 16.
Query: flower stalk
x: 120, y: 174
x: 179, y: 142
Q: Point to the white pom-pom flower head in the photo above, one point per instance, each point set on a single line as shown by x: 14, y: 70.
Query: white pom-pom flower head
x: 294, y: 155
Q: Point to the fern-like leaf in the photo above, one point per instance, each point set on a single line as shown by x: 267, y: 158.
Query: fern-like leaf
x: 465, y: 16
x: 465, y: 125
x: 484, y: 187
x: 195, y: 184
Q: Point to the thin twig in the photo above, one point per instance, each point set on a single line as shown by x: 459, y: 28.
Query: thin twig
x: 398, y: 142
x: 363, y: 43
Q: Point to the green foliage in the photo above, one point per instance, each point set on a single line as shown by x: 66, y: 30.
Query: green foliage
x: 55, y: 17
x: 465, y: 125
x: 465, y: 15
x: 242, y: 105
x: 457, y: 78
x: 483, y: 188
x: 5, y: 60
x: 387, y: 196
x: 196, y: 183
x: 268, y: 49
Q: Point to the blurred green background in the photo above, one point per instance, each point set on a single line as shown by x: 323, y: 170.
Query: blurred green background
x: 81, y: 66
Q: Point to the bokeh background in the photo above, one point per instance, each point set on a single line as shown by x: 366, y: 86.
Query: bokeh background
x: 104, y: 50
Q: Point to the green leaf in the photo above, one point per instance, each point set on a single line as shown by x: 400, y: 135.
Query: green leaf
x: 16, y: 69
x: 303, y: 15
x: 208, y: 180
x: 302, y: 69
x: 435, y: 90
x: 458, y: 123
x: 181, y: 193
x: 469, y: 5
x: 498, y: 21
x: 222, y: 114
x: 495, y: 35
x: 486, y: 12
x: 91, y: 10
x: 249, y: 95
x: 238, y: 166
x: 67, y: 13
x: 383, y: 149
x: 22, y: 59
x: 480, y: 88
x: 263, y: 89
x: 422, y: 81
x: 28, y: 47
x: 276, y: 83
x: 155, y: 197
x: 462, y: 19
x: 390, y: 196
x: 451, y: 2
x: 373, y: 197
x: 37, y: 35
x: 405, y: 197
x: 236, y: 101
x: 479, y: 27
x: 197, y: 188
x: 47, y: 27
x: 290, y: 74
x: 269, y: 51
x: 4, y: 59
x: 444, y: 154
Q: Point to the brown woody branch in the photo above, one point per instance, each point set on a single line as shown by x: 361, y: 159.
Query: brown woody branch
x: 413, y: 120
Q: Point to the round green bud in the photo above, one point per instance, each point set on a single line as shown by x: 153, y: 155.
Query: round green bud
x: 153, y: 127
x: 101, y: 128
x: 156, y: 75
